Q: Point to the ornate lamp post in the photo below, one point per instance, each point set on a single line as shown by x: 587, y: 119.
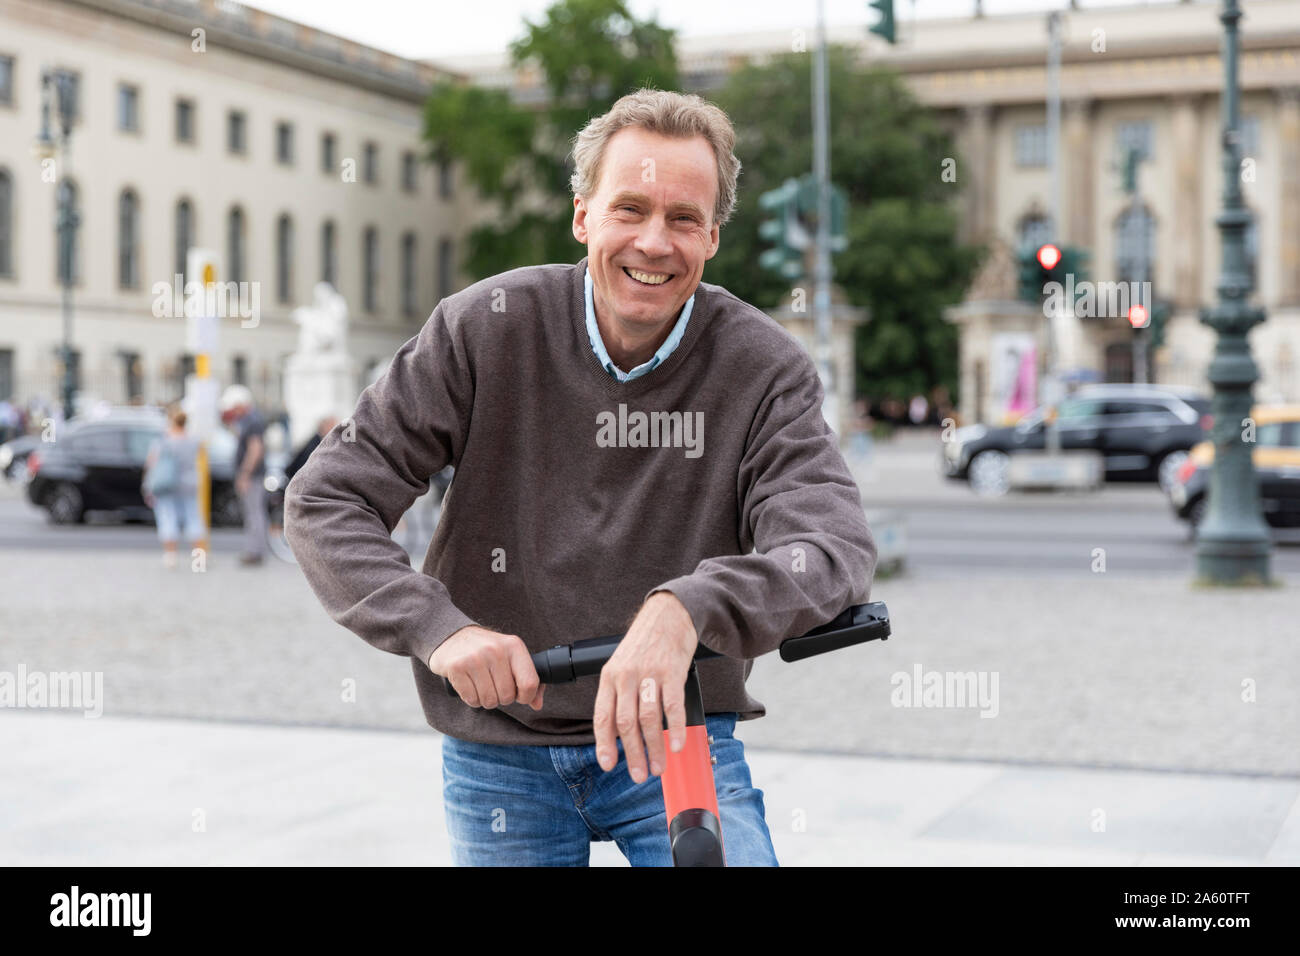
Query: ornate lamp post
x: 1233, y: 544
x: 58, y: 86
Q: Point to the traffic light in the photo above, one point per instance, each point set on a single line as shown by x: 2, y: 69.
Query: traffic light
x: 884, y: 27
x: 1048, y: 263
x: 1138, y: 317
x: 783, y: 229
x: 808, y: 210
x: 1160, y: 311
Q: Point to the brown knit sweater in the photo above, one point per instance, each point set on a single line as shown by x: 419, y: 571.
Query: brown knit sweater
x: 713, y: 476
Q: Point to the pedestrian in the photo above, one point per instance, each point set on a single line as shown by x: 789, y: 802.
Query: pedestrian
x: 735, y: 523
x: 171, y: 488
x: 237, y: 409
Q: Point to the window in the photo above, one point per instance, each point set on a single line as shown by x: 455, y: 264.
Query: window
x: 1031, y: 145
x: 235, y: 244
x: 184, y: 121
x: 327, y: 158
x: 68, y: 255
x: 1078, y: 408
x: 128, y: 108
x: 1134, y: 245
x: 6, y: 80
x: 445, y: 267
x: 1135, y: 134
x: 73, y: 92
x: 370, y: 266
x: 445, y: 179
x: 239, y: 370
x: 128, y: 239
x: 6, y: 374
x: 328, y: 255
x: 409, y: 172
x: 370, y: 168
x: 284, y: 258
x: 408, y: 274
x: 6, y: 223
x: 1035, y: 230
x: 236, y: 132
x: 284, y: 143
x: 138, y: 443
x: 101, y: 442
x: 184, y: 236
x: 132, y: 381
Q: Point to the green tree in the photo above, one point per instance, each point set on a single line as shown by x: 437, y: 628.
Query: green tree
x: 589, y: 53
x: 903, y: 259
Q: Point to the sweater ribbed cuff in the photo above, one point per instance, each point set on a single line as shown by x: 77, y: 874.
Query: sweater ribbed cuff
x: 434, y: 631
x: 708, y: 613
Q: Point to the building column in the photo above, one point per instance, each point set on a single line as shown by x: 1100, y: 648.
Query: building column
x: 979, y: 156
x: 1078, y: 165
x: 1288, y: 196
x: 1187, y: 223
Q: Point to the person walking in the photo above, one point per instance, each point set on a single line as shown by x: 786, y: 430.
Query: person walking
x: 237, y: 409
x: 171, y: 488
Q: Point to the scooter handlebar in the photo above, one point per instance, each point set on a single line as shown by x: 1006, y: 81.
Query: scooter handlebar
x: 565, y: 663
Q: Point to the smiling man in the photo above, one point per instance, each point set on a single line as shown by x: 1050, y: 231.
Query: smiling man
x: 563, y: 395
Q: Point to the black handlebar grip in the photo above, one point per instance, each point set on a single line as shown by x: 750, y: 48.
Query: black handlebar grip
x: 856, y: 625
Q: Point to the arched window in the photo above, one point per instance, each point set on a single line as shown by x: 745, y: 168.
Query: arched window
x: 69, y: 256
x: 235, y: 244
x: 408, y: 274
x: 128, y: 239
x: 6, y: 223
x: 328, y: 256
x: 1135, y: 231
x: 1034, y: 231
x: 284, y: 258
x: 370, y: 266
x: 184, y: 236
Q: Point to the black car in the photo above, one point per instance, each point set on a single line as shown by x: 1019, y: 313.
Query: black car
x: 98, y: 465
x: 1143, y: 433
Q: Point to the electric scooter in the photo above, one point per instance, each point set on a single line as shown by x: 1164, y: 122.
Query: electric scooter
x: 690, y: 795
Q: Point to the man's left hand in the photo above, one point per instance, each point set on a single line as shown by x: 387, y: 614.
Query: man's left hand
x: 644, y: 681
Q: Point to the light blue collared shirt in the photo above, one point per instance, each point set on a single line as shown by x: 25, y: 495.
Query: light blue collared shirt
x: 598, y: 344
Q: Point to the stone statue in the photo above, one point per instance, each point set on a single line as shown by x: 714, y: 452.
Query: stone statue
x: 323, y: 325
x: 319, y: 377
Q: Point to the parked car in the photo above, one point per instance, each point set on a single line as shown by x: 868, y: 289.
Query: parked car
x: 1143, y: 432
x: 13, y: 456
x: 1276, y: 455
x: 98, y: 464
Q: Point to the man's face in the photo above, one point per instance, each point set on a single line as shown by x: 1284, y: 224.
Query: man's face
x: 652, y: 214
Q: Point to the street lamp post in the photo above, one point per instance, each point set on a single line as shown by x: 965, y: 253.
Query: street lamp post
x: 57, y: 89
x: 1232, y: 544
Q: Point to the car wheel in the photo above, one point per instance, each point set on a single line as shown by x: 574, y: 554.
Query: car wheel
x: 66, y: 506
x: 989, y: 473
x: 1167, y: 470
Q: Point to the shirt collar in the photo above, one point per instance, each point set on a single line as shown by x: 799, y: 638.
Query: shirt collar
x: 598, y: 344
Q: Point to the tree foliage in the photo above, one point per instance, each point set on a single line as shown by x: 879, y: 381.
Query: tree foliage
x: 589, y: 53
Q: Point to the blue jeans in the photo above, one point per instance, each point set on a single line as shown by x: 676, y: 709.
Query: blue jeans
x: 169, y: 511
x: 545, y: 806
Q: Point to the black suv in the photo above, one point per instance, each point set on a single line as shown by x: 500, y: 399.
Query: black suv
x: 98, y: 465
x: 1143, y: 432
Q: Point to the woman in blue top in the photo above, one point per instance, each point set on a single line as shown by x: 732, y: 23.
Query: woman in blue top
x: 171, y: 485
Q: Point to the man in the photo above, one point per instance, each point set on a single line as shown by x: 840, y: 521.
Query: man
x: 250, y: 468
x: 635, y: 450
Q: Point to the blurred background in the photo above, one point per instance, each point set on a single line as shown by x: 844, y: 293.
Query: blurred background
x: 199, y: 194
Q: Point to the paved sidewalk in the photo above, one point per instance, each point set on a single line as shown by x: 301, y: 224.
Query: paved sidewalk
x: 133, y: 791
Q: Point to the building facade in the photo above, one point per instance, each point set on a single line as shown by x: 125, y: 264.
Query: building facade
x: 1146, y: 77
x: 292, y: 154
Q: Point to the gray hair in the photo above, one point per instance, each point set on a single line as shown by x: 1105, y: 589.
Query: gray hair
x: 680, y: 115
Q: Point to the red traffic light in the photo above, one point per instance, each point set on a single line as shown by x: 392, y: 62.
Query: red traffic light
x: 1048, y: 256
x: 1137, y: 316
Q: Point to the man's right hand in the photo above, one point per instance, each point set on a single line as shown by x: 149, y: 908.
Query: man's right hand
x: 488, y: 669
